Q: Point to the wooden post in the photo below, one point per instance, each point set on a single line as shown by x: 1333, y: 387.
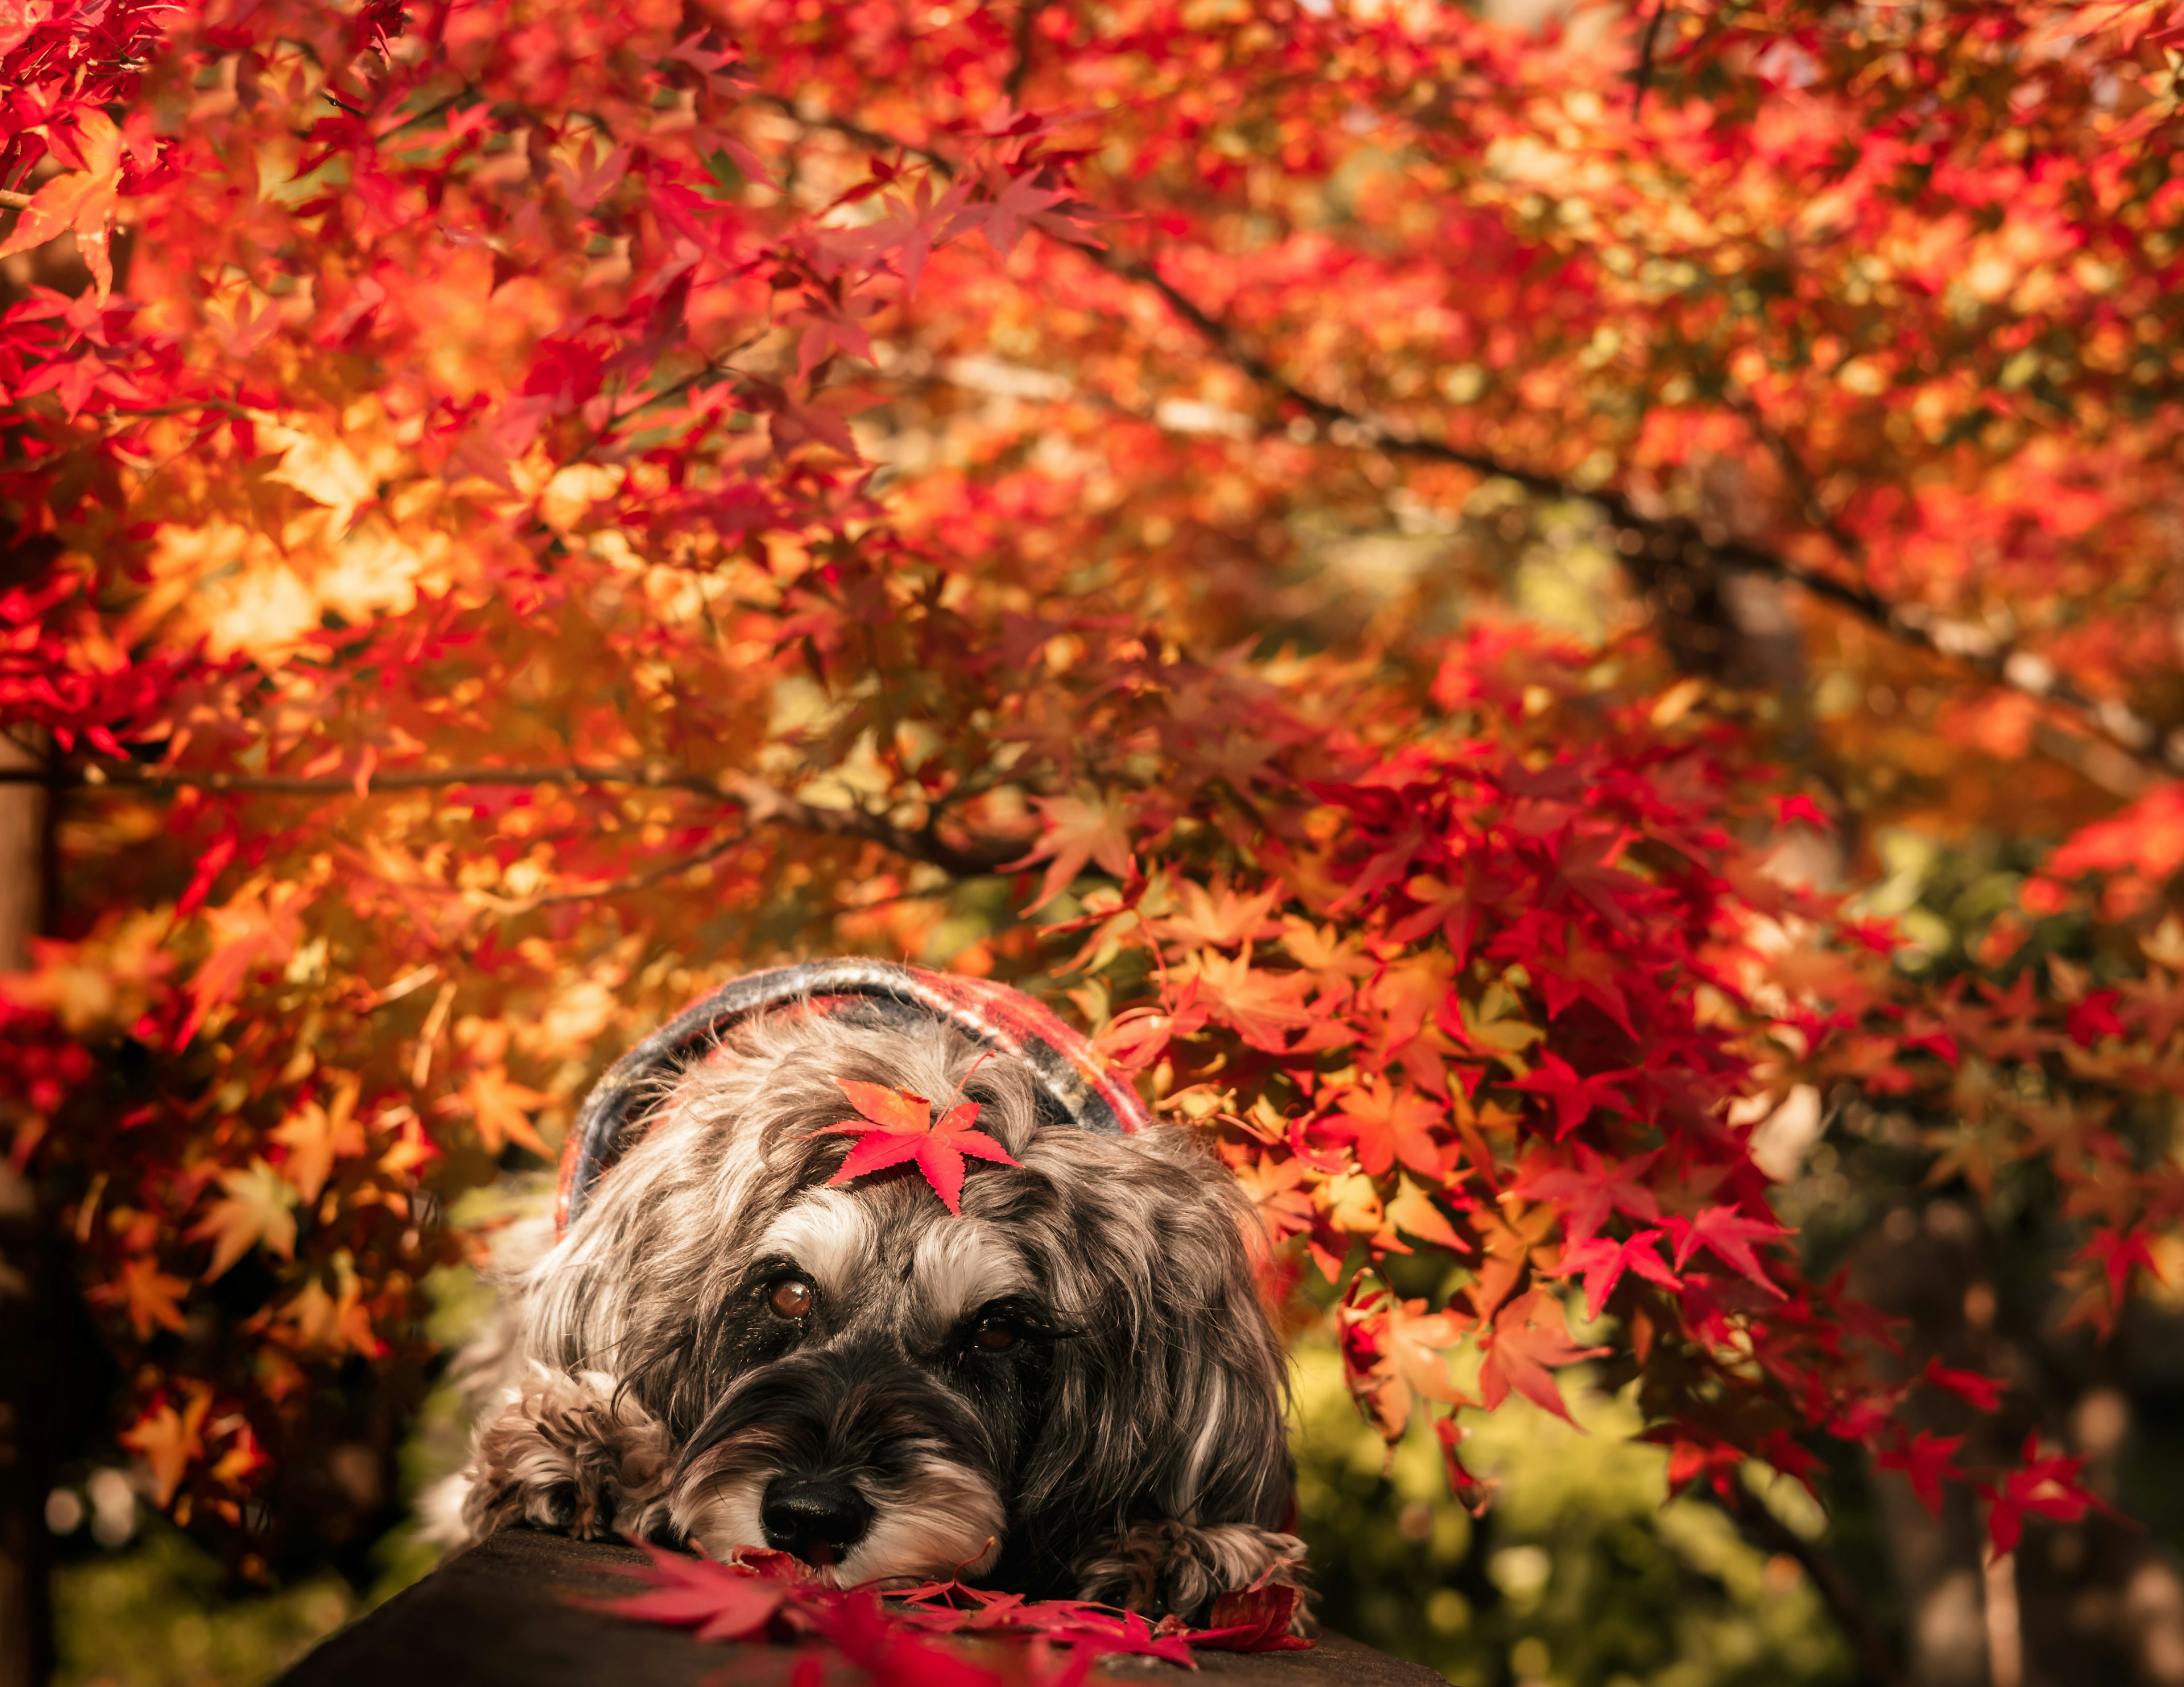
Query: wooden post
x: 27, y: 1266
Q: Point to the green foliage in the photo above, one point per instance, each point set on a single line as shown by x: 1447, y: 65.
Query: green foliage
x: 155, y: 1615
x: 1578, y: 1575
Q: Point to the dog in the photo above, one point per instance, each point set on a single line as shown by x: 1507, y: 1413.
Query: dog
x: 1070, y: 1389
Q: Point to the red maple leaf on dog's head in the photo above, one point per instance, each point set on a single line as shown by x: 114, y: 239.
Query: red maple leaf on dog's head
x: 898, y: 1126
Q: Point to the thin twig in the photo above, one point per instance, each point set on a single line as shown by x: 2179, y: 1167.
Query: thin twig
x: 762, y: 803
x: 623, y: 886
x: 1642, y: 78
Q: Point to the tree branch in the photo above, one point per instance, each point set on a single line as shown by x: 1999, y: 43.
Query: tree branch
x: 1643, y: 77
x: 1974, y: 646
x: 1027, y: 12
x: 1876, y: 1657
x: 1962, y: 641
x: 761, y: 803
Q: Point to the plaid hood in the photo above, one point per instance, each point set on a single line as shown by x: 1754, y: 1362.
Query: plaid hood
x: 1073, y: 1088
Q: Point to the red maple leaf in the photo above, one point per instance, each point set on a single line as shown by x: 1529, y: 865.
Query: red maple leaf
x: 1574, y: 1093
x: 1982, y: 1394
x: 1728, y: 1236
x: 1603, y: 1260
x: 1593, y: 1190
x: 2119, y: 1253
x: 2047, y: 1487
x: 1927, y: 1459
x: 1254, y: 1619
x: 898, y: 1126
x: 1473, y: 1493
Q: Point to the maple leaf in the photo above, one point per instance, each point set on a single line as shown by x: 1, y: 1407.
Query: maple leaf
x: 258, y: 1210
x: 1413, y: 1213
x: 1254, y: 1619
x: 1219, y: 918
x: 1019, y: 201
x: 720, y: 1601
x: 2047, y: 1487
x: 253, y: 930
x: 1927, y: 1459
x: 316, y: 1136
x: 1589, y: 973
x: 2119, y: 1253
x: 149, y: 1295
x: 1265, y: 1007
x: 500, y: 1110
x: 896, y: 1129
x: 1450, y: 909
x: 1603, y: 1261
x: 171, y: 1440
x: 79, y: 200
x: 1728, y: 1236
x: 1386, y: 1123
x: 1592, y: 1190
x: 1574, y: 1094
x: 1076, y: 831
x: 1471, y: 1493
x: 1983, y: 1394
x: 1527, y: 1338
x: 1394, y: 1352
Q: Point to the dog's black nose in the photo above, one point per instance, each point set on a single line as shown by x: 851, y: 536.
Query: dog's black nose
x: 818, y: 1521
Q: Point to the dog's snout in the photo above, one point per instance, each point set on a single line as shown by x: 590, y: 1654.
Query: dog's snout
x: 817, y: 1521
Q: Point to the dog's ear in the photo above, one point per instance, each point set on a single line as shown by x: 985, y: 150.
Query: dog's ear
x: 1168, y: 1399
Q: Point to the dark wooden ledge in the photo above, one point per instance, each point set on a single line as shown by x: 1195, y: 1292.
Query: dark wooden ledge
x: 499, y: 1616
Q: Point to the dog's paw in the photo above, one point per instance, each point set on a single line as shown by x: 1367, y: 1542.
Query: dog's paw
x: 1160, y: 1568
x: 565, y: 1454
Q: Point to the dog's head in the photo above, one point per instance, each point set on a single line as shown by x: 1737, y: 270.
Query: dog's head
x: 855, y: 1375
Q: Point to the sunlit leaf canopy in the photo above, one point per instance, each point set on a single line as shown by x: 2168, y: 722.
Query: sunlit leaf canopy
x: 1353, y: 547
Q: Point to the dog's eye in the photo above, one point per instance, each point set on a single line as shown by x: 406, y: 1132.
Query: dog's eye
x: 996, y: 1336
x: 792, y: 1298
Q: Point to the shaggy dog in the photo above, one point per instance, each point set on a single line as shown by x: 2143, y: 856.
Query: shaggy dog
x: 1070, y: 1389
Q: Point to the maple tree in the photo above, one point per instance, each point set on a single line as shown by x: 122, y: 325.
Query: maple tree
x: 519, y: 512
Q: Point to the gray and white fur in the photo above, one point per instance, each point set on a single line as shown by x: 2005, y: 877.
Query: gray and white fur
x: 1072, y: 1390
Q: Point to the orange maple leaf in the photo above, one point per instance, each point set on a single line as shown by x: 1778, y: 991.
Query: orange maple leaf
x: 251, y: 931
x: 1529, y: 1336
x: 1076, y: 831
x: 896, y: 1126
x: 82, y: 200
x: 169, y: 1439
x: 1264, y: 1006
x: 316, y: 1136
x: 500, y: 1110
x: 1394, y: 1352
x: 150, y: 1296
x: 1385, y: 1123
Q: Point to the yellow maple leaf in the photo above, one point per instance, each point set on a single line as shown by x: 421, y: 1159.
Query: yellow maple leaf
x: 500, y: 1110
x: 259, y: 1208
x: 325, y: 470
x: 78, y: 199
x: 168, y: 1439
